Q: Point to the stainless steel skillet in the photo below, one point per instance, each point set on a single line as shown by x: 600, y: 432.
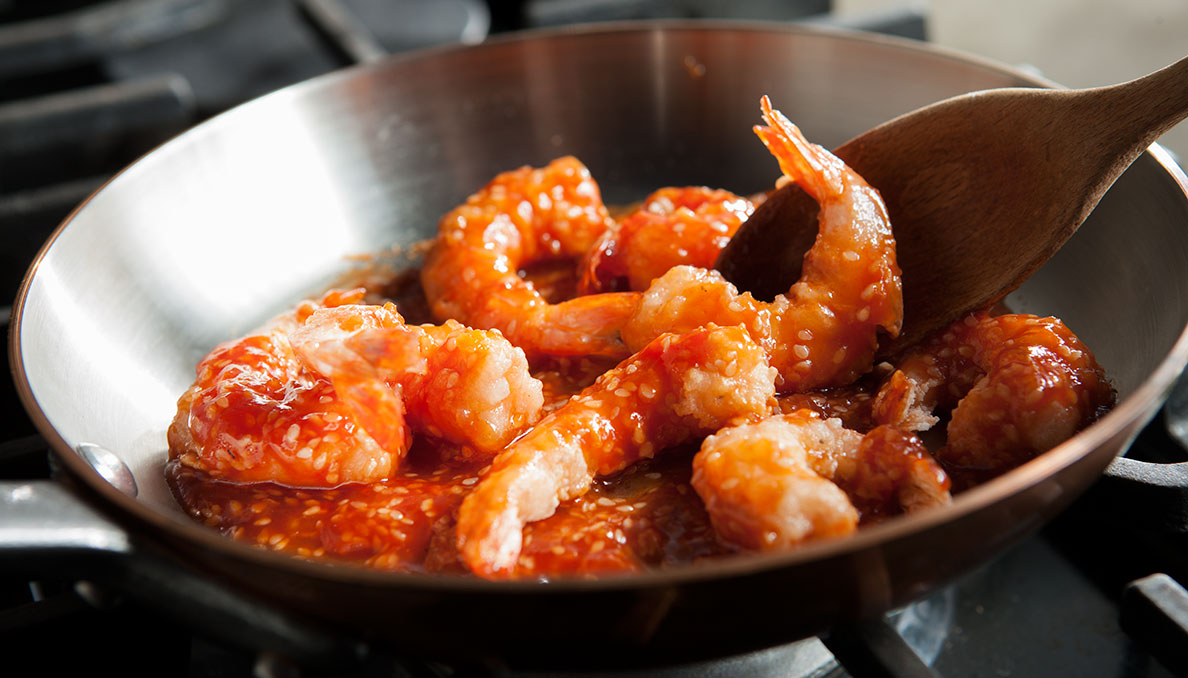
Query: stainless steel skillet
x: 239, y: 218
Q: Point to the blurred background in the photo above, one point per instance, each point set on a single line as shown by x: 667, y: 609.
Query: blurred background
x: 1077, y: 43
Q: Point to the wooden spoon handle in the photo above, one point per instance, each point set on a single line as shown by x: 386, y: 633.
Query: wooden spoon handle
x: 1119, y: 122
x: 1147, y: 106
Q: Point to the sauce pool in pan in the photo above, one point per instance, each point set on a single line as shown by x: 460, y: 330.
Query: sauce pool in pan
x: 645, y: 517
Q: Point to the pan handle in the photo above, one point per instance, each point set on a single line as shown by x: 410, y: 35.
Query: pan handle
x: 46, y: 530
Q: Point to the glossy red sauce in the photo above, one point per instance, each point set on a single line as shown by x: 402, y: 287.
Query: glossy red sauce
x: 646, y: 517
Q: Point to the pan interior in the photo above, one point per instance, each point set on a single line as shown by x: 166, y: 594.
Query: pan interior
x: 240, y: 218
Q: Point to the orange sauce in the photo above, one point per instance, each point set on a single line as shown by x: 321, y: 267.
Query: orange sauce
x: 645, y: 517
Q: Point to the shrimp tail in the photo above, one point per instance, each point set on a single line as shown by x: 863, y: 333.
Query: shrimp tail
x: 589, y: 325
x: 816, y: 170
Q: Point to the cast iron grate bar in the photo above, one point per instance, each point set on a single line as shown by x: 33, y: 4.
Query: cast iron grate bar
x: 30, y: 125
x: 1154, y: 611
x: 71, y: 38
x: 341, y: 31
x: 874, y: 649
x: 38, y: 207
x: 80, y: 130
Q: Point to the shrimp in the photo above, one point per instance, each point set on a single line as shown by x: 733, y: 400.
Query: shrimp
x: 523, y: 217
x: 824, y: 330
x: 678, y: 388
x: 257, y: 412
x: 331, y: 393
x: 892, y: 472
x: 673, y: 226
x: 1021, y: 384
x: 463, y: 385
x: 797, y: 477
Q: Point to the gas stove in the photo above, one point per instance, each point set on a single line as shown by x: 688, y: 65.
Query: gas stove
x: 86, y: 87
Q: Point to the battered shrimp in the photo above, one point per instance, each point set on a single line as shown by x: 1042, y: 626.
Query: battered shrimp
x: 892, y: 472
x: 463, y: 385
x: 673, y: 226
x: 1022, y: 384
x: 678, y: 388
x: 796, y: 477
x: 257, y: 412
x: 330, y: 394
x: 471, y: 274
x: 824, y: 331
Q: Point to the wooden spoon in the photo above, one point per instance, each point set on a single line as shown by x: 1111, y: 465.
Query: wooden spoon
x: 982, y: 189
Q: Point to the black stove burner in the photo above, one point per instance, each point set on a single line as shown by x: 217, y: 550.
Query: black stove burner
x: 85, y: 87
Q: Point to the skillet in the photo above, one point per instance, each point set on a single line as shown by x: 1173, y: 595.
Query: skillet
x: 236, y: 220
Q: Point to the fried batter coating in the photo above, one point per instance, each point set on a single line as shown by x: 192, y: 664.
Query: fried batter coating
x: 524, y: 216
x: 797, y: 477
x: 686, y: 226
x: 678, y: 388
x: 1021, y: 384
x: 330, y: 395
